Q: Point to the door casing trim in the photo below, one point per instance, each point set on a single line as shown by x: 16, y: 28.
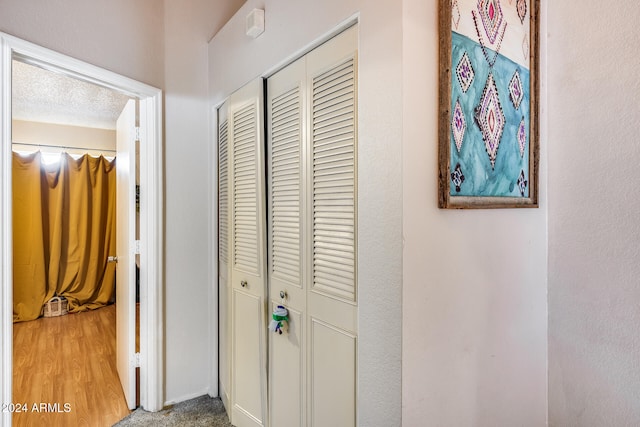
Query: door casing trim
x: 151, y: 212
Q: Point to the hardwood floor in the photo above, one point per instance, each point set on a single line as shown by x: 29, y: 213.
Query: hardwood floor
x: 64, y: 370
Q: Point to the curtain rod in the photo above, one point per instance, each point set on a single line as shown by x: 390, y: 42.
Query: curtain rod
x: 63, y: 147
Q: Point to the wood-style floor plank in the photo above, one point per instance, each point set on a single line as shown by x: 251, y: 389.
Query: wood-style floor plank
x: 69, y: 360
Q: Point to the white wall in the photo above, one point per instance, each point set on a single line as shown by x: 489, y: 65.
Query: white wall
x: 187, y: 202
x: 474, y: 282
x: 292, y: 25
x: 594, y: 226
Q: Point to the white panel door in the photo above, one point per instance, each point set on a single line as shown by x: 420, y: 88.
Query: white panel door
x: 248, y: 256
x: 125, y: 244
x: 332, y: 299
x: 287, y: 249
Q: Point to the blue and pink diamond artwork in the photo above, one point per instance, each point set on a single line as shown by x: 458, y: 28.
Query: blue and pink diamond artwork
x: 490, y: 100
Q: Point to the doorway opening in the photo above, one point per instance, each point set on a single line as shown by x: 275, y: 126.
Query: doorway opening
x: 69, y: 223
x: 147, y: 247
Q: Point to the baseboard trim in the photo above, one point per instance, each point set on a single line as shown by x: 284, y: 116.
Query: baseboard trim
x: 187, y: 397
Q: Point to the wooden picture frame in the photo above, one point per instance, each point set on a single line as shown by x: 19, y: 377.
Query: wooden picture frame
x: 488, y: 104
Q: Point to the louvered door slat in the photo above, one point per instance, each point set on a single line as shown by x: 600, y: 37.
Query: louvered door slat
x: 288, y: 152
x: 334, y: 154
x: 285, y: 124
x: 333, y: 113
x: 333, y: 147
x: 290, y: 166
x: 285, y: 186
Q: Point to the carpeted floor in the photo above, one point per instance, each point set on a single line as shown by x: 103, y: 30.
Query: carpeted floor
x: 201, y: 411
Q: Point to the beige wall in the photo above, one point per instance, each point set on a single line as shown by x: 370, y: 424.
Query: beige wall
x: 474, y: 281
x: 68, y: 138
x: 594, y: 226
x: 191, y: 358
x: 473, y: 337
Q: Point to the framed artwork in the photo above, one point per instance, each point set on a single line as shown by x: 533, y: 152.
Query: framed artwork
x: 488, y: 94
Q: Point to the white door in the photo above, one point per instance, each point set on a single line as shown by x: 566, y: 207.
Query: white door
x: 247, y: 256
x: 125, y: 244
x: 312, y: 144
x: 286, y: 110
x: 332, y: 297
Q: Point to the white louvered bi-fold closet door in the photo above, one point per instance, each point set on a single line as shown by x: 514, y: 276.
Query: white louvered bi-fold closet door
x: 248, y: 256
x: 286, y: 112
x: 332, y: 297
x: 224, y: 271
x: 312, y: 107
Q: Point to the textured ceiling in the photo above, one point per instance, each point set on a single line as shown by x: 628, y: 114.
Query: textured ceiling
x: 44, y: 96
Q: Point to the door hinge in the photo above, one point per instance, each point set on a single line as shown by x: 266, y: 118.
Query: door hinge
x: 137, y: 248
x: 137, y: 360
x: 137, y: 128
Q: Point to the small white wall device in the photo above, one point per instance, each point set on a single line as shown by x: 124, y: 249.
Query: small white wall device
x: 255, y: 23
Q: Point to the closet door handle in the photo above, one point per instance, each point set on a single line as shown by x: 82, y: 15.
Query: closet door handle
x: 243, y: 283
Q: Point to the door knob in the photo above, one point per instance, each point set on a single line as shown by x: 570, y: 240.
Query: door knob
x: 283, y: 294
x: 243, y: 283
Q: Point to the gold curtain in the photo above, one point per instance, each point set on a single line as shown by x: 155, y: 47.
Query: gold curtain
x: 64, y: 228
